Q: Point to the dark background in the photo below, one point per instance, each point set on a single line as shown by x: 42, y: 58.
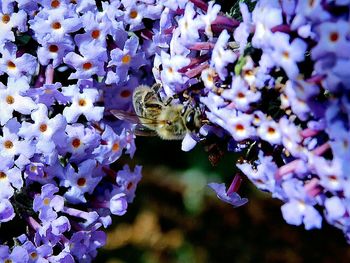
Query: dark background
x: 175, y: 217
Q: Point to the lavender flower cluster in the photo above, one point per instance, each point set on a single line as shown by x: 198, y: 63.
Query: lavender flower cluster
x: 63, y: 65
x: 274, y: 86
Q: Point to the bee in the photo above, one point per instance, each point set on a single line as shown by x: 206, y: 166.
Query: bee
x: 156, y: 116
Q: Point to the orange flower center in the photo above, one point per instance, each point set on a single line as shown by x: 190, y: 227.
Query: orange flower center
x: 53, y: 48
x: 10, y: 100
x: 334, y: 36
x: 11, y: 65
x: 115, y: 147
x: 76, y: 143
x: 2, y: 175
x: 133, y: 14
x: 8, y: 144
x: 56, y: 25
x: 43, y: 127
x: 126, y: 59
x: 95, y: 34
x: 81, y: 181
x: 87, y: 66
x: 55, y: 3
x: 82, y: 102
x: 6, y: 18
x: 125, y: 93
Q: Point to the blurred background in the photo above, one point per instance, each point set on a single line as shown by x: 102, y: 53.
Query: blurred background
x: 175, y: 217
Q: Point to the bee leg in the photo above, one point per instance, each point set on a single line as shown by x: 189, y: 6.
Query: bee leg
x: 169, y: 100
x: 156, y: 87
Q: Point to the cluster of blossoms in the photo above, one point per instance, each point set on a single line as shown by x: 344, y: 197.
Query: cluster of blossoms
x: 63, y: 65
x: 273, y: 85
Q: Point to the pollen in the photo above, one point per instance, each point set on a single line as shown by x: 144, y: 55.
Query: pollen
x: 33, y: 168
x: 133, y: 14
x: 8, y: 261
x: 170, y: 70
x: 43, y: 127
x: 2, y: 175
x: 210, y: 78
x: 56, y: 25
x: 82, y: 102
x: 46, y: 201
x: 95, y: 34
x: 285, y: 55
x: 11, y: 65
x: 241, y: 95
x: 53, y: 48
x: 125, y: 93
x: 76, y: 142
x: 115, y: 147
x: 334, y: 36
x: 333, y: 178
x: 271, y: 130
x: 5, y: 18
x: 129, y: 186
x: 81, y: 181
x: 33, y: 255
x: 239, y: 128
x: 55, y: 3
x: 8, y: 144
x: 10, y: 100
x: 87, y: 65
x: 126, y: 59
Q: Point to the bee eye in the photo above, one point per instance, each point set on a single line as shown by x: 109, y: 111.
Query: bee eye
x: 168, y: 122
x: 190, y: 121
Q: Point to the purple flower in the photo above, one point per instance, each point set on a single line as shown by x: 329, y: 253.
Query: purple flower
x: 300, y: 207
x: 48, y: 204
x: 230, y: 196
x: 7, y: 212
x: 287, y: 54
x: 81, y: 182
x: 81, y: 142
x: 189, y: 24
x: 48, y: 94
x: 10, y: 144
x: 82, y: 103
x: 332, y: 40
x: 128, y: 58
x: 16, y: 66
x: 37, y: 254
x: 10, y: 178
x: 118, y: 204
x: 127, y: 181
x: 54, y: 51
x: 222, y: 56
x: 13, y: 98
x: 18, y: 254
x: 55, y: 24
x: 335, y: 208
x: 90, y: 62
x: 9, y: 21
x: 111, y: 147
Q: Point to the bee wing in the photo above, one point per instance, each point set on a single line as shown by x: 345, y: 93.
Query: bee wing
x: 134, y: 118
x: 125, y: 115
x: 141, y: 130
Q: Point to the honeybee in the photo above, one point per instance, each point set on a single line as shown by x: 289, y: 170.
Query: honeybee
x: 156, y: 116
